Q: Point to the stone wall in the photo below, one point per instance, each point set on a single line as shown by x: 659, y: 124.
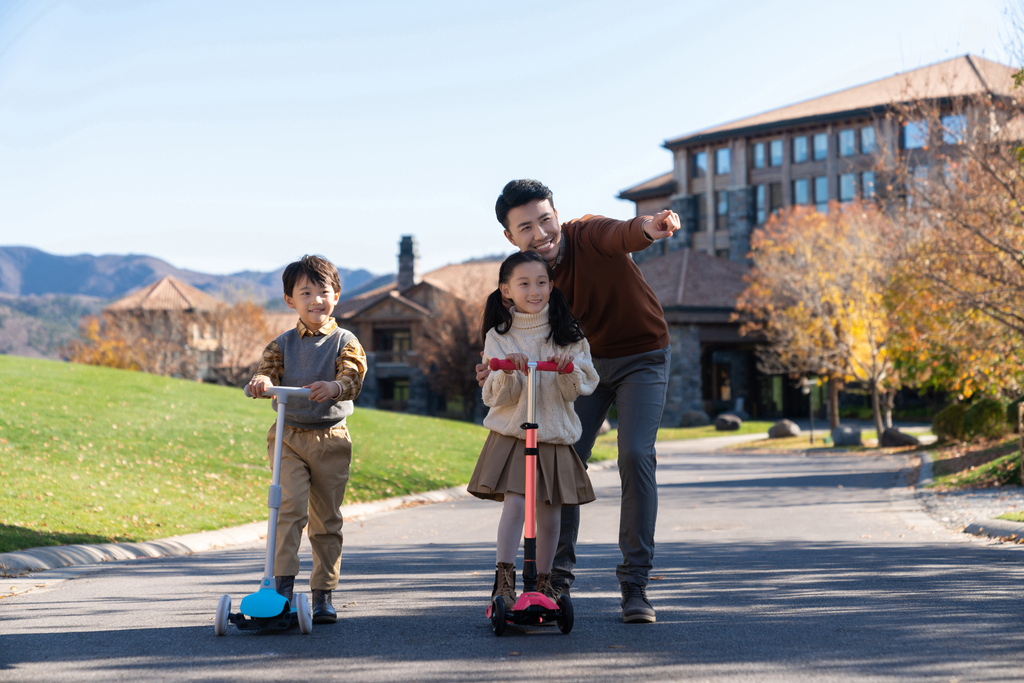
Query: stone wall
x: 684, y: 379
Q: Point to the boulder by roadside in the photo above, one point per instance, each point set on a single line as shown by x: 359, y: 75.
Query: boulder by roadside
x: 894, y: 438
x: 783, y: 429
x: 727, y: 422
x: 845, y: 435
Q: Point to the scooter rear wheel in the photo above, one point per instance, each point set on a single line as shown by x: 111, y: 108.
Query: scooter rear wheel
x: 565, y: 618
x: 304, y: 614
x: 220, y: 622
x: 498, y: 615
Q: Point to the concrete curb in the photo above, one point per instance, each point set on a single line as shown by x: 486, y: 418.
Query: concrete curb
x: 1002, y: 529
x: 53, y: 557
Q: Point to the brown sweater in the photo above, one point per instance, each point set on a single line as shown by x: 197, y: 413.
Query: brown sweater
x: 621, y: 316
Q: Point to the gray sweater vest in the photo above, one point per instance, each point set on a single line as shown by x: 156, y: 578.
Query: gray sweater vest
x: 308, y: 360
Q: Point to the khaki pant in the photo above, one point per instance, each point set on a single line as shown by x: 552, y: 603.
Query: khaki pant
x: 314, y: 471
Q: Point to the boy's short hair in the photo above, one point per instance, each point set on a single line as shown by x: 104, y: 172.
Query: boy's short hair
x: 319, y: 270
x: 517, y: 193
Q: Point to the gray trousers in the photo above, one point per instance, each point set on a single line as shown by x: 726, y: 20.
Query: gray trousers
x: 637, y: 385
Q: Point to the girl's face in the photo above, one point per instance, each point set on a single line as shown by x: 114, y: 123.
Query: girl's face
x: 528, y: 287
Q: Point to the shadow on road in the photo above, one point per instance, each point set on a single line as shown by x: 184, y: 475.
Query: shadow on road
x: 909, y: 612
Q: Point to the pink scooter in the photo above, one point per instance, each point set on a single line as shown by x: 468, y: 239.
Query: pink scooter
x: 532, y: 608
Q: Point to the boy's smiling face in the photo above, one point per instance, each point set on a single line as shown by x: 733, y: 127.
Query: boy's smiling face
x: 314, y: 303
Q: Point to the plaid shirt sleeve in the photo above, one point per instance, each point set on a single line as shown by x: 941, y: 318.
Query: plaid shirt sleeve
x: 351, y: 369
x: 272, y: 364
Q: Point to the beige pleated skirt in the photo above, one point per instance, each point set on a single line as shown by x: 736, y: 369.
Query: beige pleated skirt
x: 501, y: 468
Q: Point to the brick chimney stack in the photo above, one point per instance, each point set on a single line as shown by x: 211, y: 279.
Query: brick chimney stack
x: 408, y: 262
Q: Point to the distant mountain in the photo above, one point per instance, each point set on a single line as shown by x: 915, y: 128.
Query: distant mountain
x: 25, y: 271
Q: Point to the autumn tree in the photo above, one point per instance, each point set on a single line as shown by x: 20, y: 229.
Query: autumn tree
x: 243, y: 333
x: 956, y: 303
x: 449, y: 348
x: 815, y: 293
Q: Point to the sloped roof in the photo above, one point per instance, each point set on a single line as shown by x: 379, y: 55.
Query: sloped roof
x: 471, y: 281
x: 166, y: 294
x: 956, y: 77
x: 694, y: 279
x: 661, y: 186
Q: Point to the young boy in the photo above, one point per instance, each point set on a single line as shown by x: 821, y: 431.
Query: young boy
x: 316, y: 451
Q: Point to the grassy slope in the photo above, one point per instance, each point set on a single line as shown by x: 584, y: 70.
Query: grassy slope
x: 605, y: 447
x: 91, y: 454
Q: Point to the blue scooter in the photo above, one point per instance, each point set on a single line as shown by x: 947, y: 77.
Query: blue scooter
x: 266, y: 609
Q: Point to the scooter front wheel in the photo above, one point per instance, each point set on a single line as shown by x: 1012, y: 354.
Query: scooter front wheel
x: 220, y: 622
x: 498, y: 615
x: 304, y: 614
x: 565, y: 618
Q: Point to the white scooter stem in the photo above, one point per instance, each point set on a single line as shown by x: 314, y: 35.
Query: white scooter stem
x: 282, y: 394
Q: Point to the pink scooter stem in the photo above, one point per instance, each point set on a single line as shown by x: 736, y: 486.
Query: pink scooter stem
x: 531, y: 452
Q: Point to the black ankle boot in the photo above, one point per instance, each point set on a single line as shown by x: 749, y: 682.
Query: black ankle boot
x: 285, y: 586
x: 323, y: 610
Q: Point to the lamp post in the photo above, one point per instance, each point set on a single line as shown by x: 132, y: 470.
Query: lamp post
x: 805, y: 386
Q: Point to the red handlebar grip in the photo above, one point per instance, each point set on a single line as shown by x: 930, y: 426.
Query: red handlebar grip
x: 546, y: 365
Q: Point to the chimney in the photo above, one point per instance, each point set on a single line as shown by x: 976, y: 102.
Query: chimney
x: 408, y: 262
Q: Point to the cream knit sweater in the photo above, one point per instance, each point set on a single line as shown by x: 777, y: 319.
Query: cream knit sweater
x: 505, y: 394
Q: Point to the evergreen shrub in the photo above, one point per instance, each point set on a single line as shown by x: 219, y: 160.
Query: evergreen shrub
x: 985, y: 418
x: 948, y: 425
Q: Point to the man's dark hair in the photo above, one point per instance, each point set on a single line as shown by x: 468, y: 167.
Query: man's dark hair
x: 517, y: 193
x: 319, y: 270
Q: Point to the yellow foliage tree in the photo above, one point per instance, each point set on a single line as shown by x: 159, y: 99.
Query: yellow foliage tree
x: 816, y: 294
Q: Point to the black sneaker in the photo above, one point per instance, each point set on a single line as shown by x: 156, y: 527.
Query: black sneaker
x: 636, y: 609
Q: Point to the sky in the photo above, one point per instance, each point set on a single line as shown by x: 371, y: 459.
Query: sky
x: 230, y: 135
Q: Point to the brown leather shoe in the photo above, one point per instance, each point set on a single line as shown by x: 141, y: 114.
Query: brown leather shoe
x: 505, y: 584
x: 323, y: 610
x: 545, y: 588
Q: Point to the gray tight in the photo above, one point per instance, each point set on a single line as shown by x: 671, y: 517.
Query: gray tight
x: 510, y: 531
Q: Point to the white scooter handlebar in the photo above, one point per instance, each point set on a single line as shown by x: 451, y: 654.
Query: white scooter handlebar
x: 282, y: 394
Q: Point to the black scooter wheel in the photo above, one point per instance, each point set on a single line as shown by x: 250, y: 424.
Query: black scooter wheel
x: 564, y: 620
x: 498, y: 615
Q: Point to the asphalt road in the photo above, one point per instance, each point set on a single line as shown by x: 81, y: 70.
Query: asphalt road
x: 768, y: 568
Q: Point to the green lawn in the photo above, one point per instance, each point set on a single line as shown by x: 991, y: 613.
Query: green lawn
x: 605, y: 448
x: 91, y: 454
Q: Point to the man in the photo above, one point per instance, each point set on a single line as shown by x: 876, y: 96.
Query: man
x: 629, y: 342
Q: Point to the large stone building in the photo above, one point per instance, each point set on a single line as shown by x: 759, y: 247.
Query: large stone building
x: 727, y: 180
x: 388, y: 322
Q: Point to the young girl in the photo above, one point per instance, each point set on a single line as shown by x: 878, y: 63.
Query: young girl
x: 540, y: 326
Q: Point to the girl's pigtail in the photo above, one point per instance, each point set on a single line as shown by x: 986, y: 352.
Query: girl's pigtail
x: 495, y: 315
x: 565, y: 327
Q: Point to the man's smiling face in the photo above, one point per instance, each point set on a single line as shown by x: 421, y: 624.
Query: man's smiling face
x: 534, y: 227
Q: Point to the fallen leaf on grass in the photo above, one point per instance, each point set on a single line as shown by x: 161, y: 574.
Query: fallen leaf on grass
x: 514, y: 653
x: 617, y: 647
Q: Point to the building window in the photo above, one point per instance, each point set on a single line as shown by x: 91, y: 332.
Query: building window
x: 800, y: 149
x: 867, y: 140
x: 776, y: 150
x: 801, y: 191
x: 954, y: 128
x: 915, y: 134
x: 723, y: 161
x: 867, y: 183
x: 820, y: 146
x: 774, y: 197
x: 847, y: 187
x: 847, y: 142
x: 721, y: 210
x: 759, y: 156
x: 702, y: 213
x: 722, y: 254
x: 392, y: 346
x: 821, y: 193
x: 700, y: 164
x: 393, y: 394
x: 760, y: 204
